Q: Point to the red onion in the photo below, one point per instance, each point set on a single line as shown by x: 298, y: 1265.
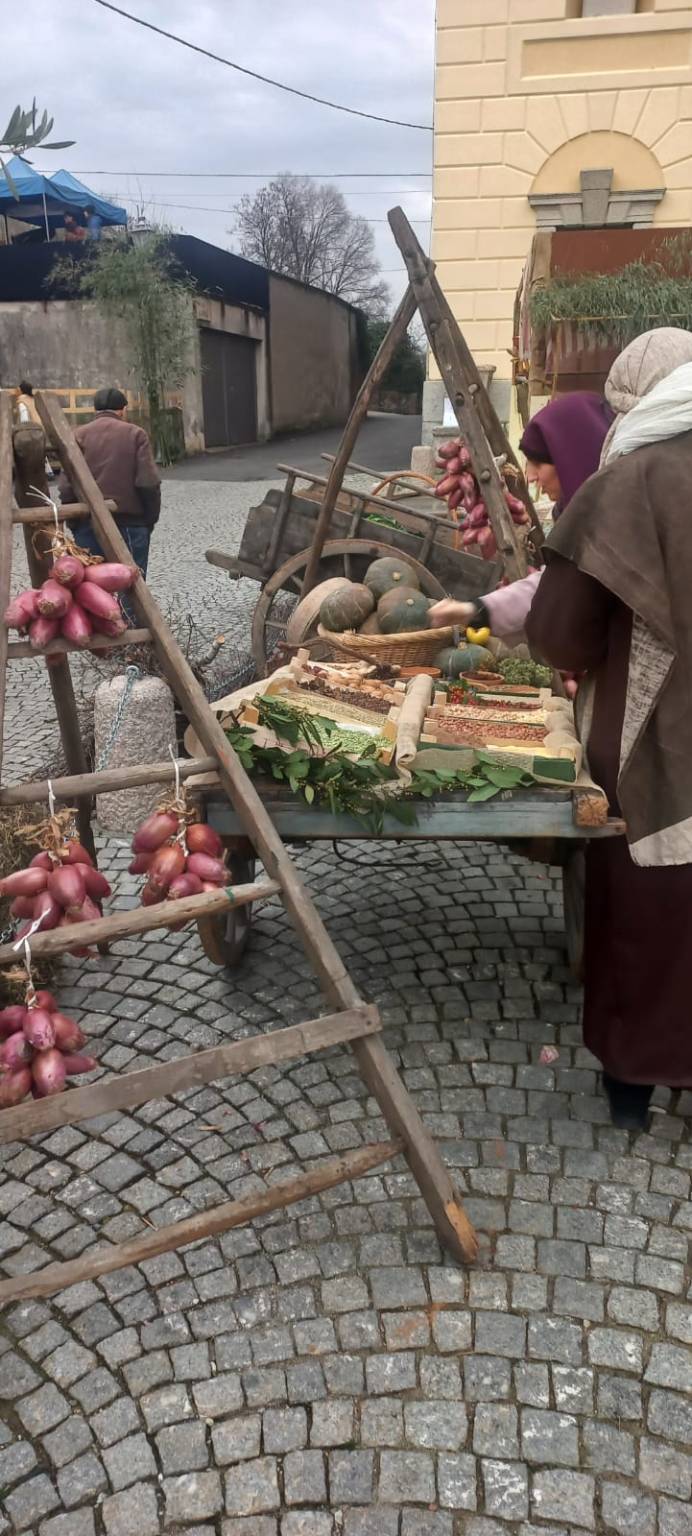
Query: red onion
x: 48, y: 909
x: 14, y: 1087
x: 11, y: 1019
x: 155, y: 831
x: 38, y: 1029
x: 54, y: 600
x: 88, y: 912
x: 203, y: 839
x: 75, y: 1064
x: 76, y: 626
x: 74, y: 852
x: 112, y: 577
x: 208, y: 869
x: 69, y: 922
x: 184, y: 885
x: 68, y: 570
x: 68, y: 1035
x: 150, y: 897
x: 114, y: 628
x: 45, y: 999
x: 96, y: 884
x: 24, y: 882
x: 166, y: 863
x: 22, y: 609
x: 15, y: 1052
x: 43, y: 860
x: 140, y: 864
x: 42, y: 631
x: 22, y: 906
x: 96, y: 601
x: 48, y: 1072
x: 66, y: 886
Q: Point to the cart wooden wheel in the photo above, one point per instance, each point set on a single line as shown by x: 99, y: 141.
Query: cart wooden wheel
x: 224, y: 938
x: 573, y: 887
x: 268, y: 621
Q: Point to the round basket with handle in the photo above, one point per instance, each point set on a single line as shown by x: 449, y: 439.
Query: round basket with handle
x: 403, y: 650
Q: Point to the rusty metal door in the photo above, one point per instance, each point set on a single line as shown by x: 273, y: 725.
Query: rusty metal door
x: 229, y: 389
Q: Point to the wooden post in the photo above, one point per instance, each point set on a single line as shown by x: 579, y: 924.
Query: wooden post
x: 359, y: 410
x: 5, y: 543
x: 403, y: 1119
x: 443, y: 333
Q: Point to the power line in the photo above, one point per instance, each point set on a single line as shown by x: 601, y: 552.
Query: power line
x: 260, y: 175
x: 129, y: 197
x: 336, y: 106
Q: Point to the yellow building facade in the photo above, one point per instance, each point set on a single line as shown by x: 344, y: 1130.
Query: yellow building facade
x: 549, y: 113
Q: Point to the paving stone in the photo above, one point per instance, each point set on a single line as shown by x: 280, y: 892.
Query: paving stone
x: 406, y: 1477
x: 627, y: 1510
x: 67, y: 1440
x: 486, y: 1379
x: 506, y: 1488
x: 218, y: 1396
x: 550, y: 1438
x: 29, y: 1502
x: 665, y: 1469
x: 390, y: 1373
x: 332, y: 1423
x: 132, y: 1512
x: 616, y: 1347
x: 129, y: 1461
x: 637, y: 1308
x: 304, y: 1477
x: 306, y: 1522
x: 608, y: 1449
x: 670, y: 1366
x: 182, y: 1447
x: 81, y: 1481
x: 619, y: 1398
x: 15, y: 1461
x: 114, y: 1422
x: 440, y: 1426
x: 674, y: 1518
x: 79, y: 1522
x: 452, y: 1331
x: 371, y: 1522
x: 671, y: 1416
x: 456, y: 1482
x: 43, y: 1409
x: 188, y: 1498
x: 495, y: 1430
x: 561, y: 1495
x: 382, y: 1421
x: 551, y: 1339
x: 285, y: 1429
x: 498, y: 1334
x: 573, y: 1388
x: 251, y: 1487
x: 237, y: 1439
x: 532, y: 1385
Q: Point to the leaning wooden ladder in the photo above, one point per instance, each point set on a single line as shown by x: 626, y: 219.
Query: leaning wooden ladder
x: 351, y: 1021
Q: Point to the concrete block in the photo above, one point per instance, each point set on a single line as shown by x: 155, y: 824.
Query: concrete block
x: 145, y: 734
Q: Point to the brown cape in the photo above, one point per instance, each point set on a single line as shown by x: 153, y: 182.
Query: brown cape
x: 630, y: 528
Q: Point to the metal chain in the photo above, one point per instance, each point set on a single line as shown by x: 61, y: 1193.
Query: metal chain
x: 132, y: 675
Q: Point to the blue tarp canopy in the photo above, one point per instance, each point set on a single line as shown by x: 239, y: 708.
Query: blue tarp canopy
x: 36, y: 197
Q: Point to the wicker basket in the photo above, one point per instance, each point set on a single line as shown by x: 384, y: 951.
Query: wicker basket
x: 419, y: 645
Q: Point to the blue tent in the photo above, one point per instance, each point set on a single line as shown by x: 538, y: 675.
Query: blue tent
x: 39, y: 199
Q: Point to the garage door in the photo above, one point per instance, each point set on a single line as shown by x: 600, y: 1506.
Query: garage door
x: 229, y: 389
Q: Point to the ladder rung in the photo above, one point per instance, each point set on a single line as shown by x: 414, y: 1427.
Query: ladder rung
x: 106, y: 930
x: 74, y: 785
x: 67, y: 510
x: 128, y: 1089
x: 19, y: 648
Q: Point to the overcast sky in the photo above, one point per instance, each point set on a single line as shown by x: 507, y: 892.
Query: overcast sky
x: 137, y: 104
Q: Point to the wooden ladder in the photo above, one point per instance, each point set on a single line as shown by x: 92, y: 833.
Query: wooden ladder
x: 351, y: 1021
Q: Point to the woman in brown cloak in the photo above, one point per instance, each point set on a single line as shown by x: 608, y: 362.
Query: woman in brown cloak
x: 616, y: 602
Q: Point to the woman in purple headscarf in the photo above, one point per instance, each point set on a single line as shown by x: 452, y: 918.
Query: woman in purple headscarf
x: 562, y: 445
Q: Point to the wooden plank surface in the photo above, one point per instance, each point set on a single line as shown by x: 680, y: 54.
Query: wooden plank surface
x: 400, y: 322
x: 68, y: 510
x: 159, y: 1082
x: 72, y: 785
x: 234, y: 1213
x: 107, y: 930
x: 5, y: 544
x: 18, y: 648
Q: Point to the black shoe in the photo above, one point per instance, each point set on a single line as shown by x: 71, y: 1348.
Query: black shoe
x: 629, y: 1103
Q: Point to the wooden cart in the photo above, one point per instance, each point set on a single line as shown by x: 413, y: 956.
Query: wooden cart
x: 549, y: 825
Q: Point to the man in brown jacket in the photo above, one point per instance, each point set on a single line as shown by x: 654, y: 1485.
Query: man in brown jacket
x: 119, y: 456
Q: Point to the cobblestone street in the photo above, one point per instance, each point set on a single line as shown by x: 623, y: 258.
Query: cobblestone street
x: 327, y: 1372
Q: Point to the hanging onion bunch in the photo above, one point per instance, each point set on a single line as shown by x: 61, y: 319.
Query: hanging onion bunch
x: 41, y: 1047
x: 459, y: 487
x: 179, y: 855
x: 61, y: 885
x: 77, y: 600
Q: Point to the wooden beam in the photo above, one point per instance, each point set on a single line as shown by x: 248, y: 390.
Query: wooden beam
x: 234, y: 1213
x: 442, y: 332
x: 339, y: 989
x: 103, y: 783
x: 376, y: 503
x: 66, y: 512
x: 359, y: 410
x: 167, y: 914
x: 160, y: 1082
x: 5, y: 543
x: 20, y: 648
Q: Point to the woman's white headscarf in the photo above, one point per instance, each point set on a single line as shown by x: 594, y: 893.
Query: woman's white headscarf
x: 650, y: 388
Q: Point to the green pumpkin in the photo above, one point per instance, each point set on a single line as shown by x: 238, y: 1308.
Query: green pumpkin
x: 402, y: 610
x: 453, y: 661
x: 387, y: 573
x: 347, y: 608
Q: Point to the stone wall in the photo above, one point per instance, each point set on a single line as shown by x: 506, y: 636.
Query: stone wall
x: 313, y: 356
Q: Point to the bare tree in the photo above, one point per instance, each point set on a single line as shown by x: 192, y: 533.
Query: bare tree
x: 306, y: 230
